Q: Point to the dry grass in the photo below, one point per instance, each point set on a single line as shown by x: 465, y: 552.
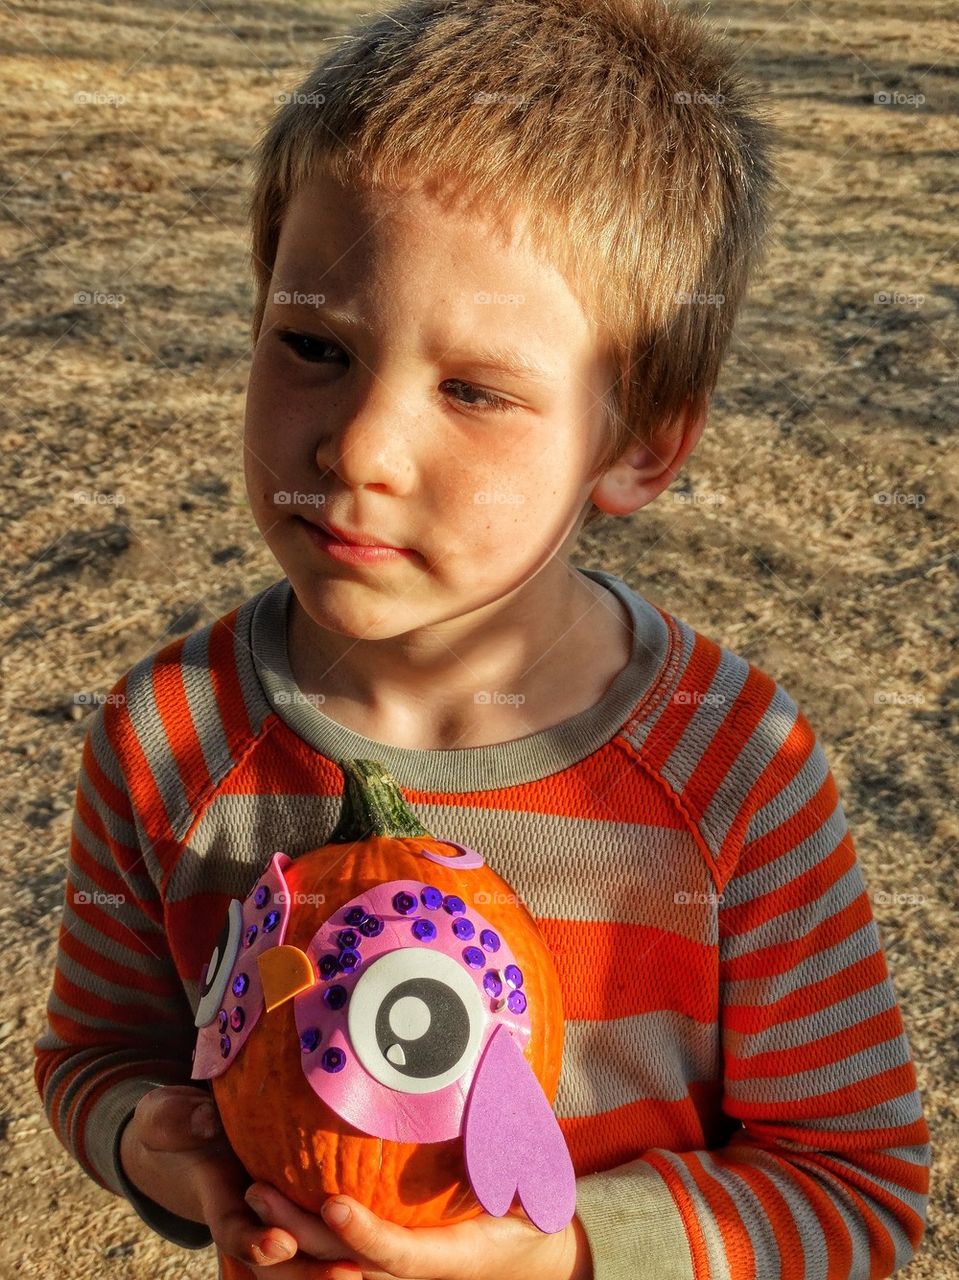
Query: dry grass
x: 772, y: 541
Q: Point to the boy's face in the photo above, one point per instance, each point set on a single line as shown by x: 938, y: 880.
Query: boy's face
x: 380, y: 426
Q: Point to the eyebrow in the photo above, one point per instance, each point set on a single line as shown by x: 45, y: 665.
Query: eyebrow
x: 517, y: 364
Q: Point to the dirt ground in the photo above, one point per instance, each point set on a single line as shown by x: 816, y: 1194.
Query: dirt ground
x: 813, y: 532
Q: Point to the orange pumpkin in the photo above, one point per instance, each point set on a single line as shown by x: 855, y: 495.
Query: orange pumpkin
x: 283, y: 1131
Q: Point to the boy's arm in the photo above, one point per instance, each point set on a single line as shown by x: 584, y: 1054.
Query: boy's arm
x: 118, y: 1020
x: 829, y: 1176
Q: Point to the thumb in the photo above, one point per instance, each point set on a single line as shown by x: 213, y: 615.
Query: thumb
x: 177, y: 1118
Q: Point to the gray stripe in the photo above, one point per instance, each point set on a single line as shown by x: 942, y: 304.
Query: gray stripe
x: 798, y: 1032
x: 526, y: 759
x: 767, y: 989
x: 787, y: 802
x: 712, y: 709
x: 102, y: 748
x: 916, y: 1200
x: 204, y: 709
x: 154, y: 1035
x: 798, y: 923
x: 573, y: 868
x: 126, y: 914
x: 715, y: 1247
x: 784, y: 1178
x: 624, y: 1060
x: 752, y: 1212
x: 148, y: 725
x: 120, y: 996
x: 257, y: 705
x: 764, y: 744
x: 771, y: 876
x: 801, y: 1086
x: 891, y: 1114
x: 137, y: 880
x: 114, y: 952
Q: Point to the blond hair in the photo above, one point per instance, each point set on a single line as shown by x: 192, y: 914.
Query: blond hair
x: 618, y: 128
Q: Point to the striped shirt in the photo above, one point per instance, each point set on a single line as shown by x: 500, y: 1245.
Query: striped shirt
x: 737, y: 1091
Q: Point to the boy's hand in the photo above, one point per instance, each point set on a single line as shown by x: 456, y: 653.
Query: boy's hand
x: 196, y: 1175
x: 482, y: 1248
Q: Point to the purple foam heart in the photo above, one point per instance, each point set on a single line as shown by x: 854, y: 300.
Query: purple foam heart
x: 512, y: 1141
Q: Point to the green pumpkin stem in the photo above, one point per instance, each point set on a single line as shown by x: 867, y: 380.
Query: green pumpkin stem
x: 373, y: 805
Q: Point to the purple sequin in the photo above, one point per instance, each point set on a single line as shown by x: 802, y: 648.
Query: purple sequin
x: 474, y: 957
x: 371, y: 927
x: 221, y: 1020
x: 463, y: 929
x: 424, y: 930
x: 350, y: 960
x: 348, y: 938
x: 516, y: 1001
x: 513, y: 975
x: 354, y: 916
x: 335, y: 997
x: 454, y: 905
x: 251, y: 935
x: 491, y: 983
x: 270, y: 921
x: 240, y: 984
x: 237, y: 1018
x: 262, y: 896
x: 309, y: 1039
x: 489, y: 940
x: 224, y: 1046
x: 431, y: 898
x: 334, y: 1060
x: 404, y: 903
x: 329, y: 966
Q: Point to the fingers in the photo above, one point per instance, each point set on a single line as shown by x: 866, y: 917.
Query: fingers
x: 237, y: 1230
x: 177, y: 1118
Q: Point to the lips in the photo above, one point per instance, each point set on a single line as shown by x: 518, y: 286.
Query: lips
x: 354, y: 539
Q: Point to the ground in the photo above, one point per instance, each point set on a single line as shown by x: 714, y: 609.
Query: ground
x: 813, y: 531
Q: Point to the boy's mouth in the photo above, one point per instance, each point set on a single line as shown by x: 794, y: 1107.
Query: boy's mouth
x: 357, y: 547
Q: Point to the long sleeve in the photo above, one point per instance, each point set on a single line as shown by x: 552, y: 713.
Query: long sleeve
x: 118, y: 1020
x: 828, y: 1176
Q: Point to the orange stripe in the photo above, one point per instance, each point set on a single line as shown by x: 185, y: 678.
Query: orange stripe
x: 614, y: 969
x: 813, y: 998
x: 817, y: 1053
x: 173, y: 709
x: 622, y: 1134
x: 735, y: 728
x: 737, y: 1246
x: 226, y: 684
x: 853, y: 1176
x: 694, y: 1230
x: 115, y: 972
x: 806, y: 821
x: 672, y: 723
x: 882, y: 1250
x: 789, y: 1241
x: 856, y: 1096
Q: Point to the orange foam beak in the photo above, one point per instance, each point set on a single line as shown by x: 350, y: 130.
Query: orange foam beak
x: 285, y: 971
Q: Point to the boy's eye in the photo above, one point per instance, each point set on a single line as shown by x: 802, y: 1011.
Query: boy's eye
x: 300, y: 344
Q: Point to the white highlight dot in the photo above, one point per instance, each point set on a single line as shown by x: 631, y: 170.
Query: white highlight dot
x: 409, y: 1018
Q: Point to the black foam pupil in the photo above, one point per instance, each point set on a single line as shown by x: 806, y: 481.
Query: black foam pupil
x: 443, y: 1043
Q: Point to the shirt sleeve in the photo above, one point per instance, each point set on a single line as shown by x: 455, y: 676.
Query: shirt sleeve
x: 828, y: 1176
x: 118, y: 1021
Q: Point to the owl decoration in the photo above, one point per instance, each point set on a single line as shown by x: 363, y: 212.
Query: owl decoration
x: 381, y: 1017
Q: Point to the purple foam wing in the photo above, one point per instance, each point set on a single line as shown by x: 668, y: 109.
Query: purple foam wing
x: 512, y: 1141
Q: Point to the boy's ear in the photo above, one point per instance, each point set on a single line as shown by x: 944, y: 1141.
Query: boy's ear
x: 645, y: 470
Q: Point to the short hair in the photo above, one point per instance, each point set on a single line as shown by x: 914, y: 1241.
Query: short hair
x: 620, y: 129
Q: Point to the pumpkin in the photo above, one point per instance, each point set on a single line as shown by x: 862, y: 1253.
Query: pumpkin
x: 351, y: 1004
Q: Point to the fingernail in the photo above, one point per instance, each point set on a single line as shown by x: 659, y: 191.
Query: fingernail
x: 275, y: 1250
x: 256, y: 1203
x: 204, y: 1122
x: 336, y: 1212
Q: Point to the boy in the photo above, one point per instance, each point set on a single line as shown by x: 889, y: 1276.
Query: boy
x: 477, y: 229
